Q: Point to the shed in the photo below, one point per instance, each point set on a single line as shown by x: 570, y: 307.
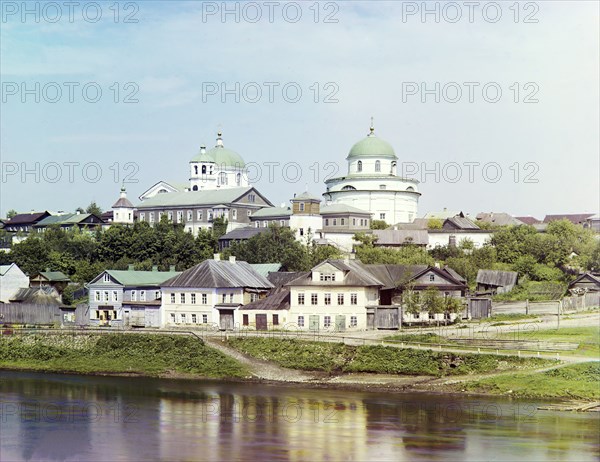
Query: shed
x: 495, y: 282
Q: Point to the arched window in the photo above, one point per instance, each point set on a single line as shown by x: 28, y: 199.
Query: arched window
x: 359, y: 166
x: 222, y: 178
x: 393, y: 170
x: 203, y: 170
x: 196, y: 169
x: 348, y: 188
x: 377, y: 166
x: 410, y: 188
x: 195, y: 188
x: 238, y: 179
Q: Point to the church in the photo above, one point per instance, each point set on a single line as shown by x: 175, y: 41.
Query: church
x: 372, y: 183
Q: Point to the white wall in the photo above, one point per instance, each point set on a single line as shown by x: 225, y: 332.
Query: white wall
x: 10, y: 283
x: 443, y: 238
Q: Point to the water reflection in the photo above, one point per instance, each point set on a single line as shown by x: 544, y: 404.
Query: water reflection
x: 56, y: 417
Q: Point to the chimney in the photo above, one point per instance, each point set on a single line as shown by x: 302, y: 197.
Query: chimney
x: 232, y: 259
x: 437, y: 264
x: 352, y: 256
x: 130, y: 267
x: 154, y: 267
x: 172, y: 268
x: 217, y: 256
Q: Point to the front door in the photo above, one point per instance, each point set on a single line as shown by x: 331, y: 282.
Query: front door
x: 313, y: 320
x: 226, y: 319
x: 261, y: 322
x: 340, y: 323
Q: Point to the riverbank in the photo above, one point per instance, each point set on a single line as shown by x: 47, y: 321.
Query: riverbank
x: 309, y: 364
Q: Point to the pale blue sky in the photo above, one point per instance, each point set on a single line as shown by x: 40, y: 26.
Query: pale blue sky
x: 170, y: 53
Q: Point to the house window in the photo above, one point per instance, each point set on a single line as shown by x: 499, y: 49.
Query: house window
x: 431, y: 278
x: 224, y: 298
x: 354, y: 222
x: 258, y: 224
x: 182, y: 298
x: 204, y: 318
x: 327, y: 299
x: 199, y: 215
x: 327, y: 277
x: 382, y: 216
x: 265, y: 224
x: 377, y: 166
x: 106, y: 296
x: 179, y: 216
x: 142, y: 216
x: 342, y: 222
x: 275, y: 319
x: 223, y: 178
x: 300, y: 321
x: 253, y: 297
x: 245, y: 320
x: 97, y: 295
x: 382, y: 187
x: 234, y: 214
x: 359, y: 166
x: 353, y: 321
x: 230, y: 298
x: 190, y: 215
x: 115, y: 296
x: 142, y: 295
x: 340, y: 299
x: 172, y: 298
x: 302, y: 206
x: 326, y: 221
x: 194, y: 319
x: 301, y: 231
x: 183, y: 320
x: 282, y: 223
x: 326, y: 321
x: 170, y: 215
x: 417, y: 315
x: 151, y: 217
x: 335, y: 222
x: 431, y: 316
x: 97, y: 314
x: 313, y: 299
x: 133, y: 295
x: 106, y: 277
x: 157, y: 295
x: 193, y: 297
x: 300, y: 299
x: 248, y: 212
x: 251, y: 198
x: 172, y: 318
x: 203, y: 170
x: 204, y: 298
x: 238, y: 179
x: 353, y: 299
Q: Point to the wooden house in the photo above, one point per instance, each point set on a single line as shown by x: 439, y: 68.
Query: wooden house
x: 495, y: 282
x: 586, y: 282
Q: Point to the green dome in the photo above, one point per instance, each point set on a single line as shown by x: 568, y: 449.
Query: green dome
x: 371, y: 146
x: 220, y: 156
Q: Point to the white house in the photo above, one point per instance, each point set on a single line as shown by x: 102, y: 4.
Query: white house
x: 210, y: 293
x: 11, y: 280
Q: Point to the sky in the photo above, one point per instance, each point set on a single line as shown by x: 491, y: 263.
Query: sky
x: 492, y: 107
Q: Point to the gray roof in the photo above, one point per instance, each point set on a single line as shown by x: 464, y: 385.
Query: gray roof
x: 242, y: 233
x: 459, y: 223
x: 37, y: 295
x: 401, y: 236
x: 220, y: 273
x: 269, y: 212
x: 195, y: 198
x: 278, y: 299
x: 342, y: 208
x: 123, y: 202
x: 575, y: 218
x: 500, y: 219
x: 496, y: 278
x: 454, y: 274
x: 281, y: 278
x: 356, y: 275
x: 306, y: 196
x: 443, y: 214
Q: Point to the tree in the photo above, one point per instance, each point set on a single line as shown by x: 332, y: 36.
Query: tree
x: 219, y: 226
x: 94, y: 209
x: 379, y: 224
x: 11, y: 213
x: 435, y: 223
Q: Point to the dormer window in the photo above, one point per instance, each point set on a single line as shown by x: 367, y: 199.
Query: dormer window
x: 431, y: 278
x: 106, y: 277
x: 203, y: 170
x: 327, y: 277
x: 377, y: 166
x: 359, y: 166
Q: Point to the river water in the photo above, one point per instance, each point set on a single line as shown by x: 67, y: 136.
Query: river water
x: 70, y: 417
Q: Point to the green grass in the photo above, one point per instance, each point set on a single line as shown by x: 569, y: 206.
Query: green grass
x: 418, y: 338
x: 587, y: 337
x: 337, y: 357
x: 117, y: 353
x: 578, y: 381
x: 509, y: 317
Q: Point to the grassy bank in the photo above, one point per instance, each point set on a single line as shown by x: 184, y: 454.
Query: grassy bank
x: 152, y: 355
x: 587, y: 337
x: 337, y: 357
x: 577, y: 381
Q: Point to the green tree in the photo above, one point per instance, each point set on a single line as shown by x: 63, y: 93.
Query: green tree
x: 11, y: 213
x: 220, y: 227
x: 379, y: 224
x: 435, y: 223
x: 94, y: 209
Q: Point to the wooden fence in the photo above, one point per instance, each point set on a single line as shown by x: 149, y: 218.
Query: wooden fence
x: 49, y: 315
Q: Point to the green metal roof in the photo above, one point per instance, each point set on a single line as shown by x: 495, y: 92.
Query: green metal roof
x: 55, y: 276
x: 70, y: 218
x: 141, y: 278
x: 265, y: 268
x: 194, y: 198
x: 371, y: 146
x: 220, y: 156
x: 342, y: 208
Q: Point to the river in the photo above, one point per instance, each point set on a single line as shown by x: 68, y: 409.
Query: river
x: 70, y: 417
